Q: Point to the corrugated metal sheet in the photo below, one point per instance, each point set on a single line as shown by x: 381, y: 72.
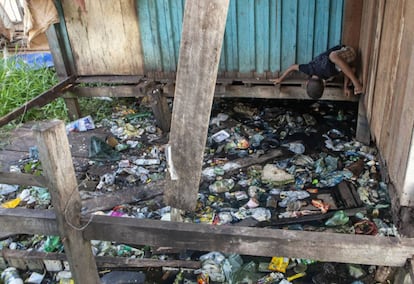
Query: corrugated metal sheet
x: 261, y: 35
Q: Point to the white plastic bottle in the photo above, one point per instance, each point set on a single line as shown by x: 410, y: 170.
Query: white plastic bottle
x: 11, y: 276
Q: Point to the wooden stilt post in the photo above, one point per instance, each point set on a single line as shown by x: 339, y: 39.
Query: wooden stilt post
x: 161, y: 110
x: 54, y: 153
x: 201, y: 42
x: 64, y: 68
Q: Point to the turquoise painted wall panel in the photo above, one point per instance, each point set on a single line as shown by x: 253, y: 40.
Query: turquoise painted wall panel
x: 261, y: 35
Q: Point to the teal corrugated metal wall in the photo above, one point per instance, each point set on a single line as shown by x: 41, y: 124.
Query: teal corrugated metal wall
x: 261, y: 35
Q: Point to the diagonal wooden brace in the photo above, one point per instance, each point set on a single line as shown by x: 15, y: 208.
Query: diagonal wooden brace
x: 41, y: 100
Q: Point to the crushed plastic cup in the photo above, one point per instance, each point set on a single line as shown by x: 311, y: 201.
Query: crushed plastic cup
x: 220, y: 136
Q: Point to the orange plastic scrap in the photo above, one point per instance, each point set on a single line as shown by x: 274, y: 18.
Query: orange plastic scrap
x: 324, y: 207
x: 312, y: 190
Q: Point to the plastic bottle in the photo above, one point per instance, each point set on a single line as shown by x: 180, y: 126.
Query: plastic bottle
x: 11, y: 276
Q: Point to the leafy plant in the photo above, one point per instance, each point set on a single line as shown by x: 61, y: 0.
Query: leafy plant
x: 20, y: 82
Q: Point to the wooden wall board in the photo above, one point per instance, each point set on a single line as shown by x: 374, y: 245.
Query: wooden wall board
x: 402, y: 112
x: 105, y: 39
x: 390, y: 113
x: 351, y: 24
x: 376, y: 21
x: 387, y: 67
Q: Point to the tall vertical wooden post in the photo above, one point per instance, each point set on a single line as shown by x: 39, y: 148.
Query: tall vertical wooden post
x: 201, y: 42
x: 54, y: 153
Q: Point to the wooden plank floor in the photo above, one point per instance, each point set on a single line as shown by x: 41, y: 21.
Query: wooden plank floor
x: 17, y: 144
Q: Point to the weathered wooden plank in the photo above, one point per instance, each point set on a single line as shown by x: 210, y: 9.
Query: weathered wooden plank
x: 101, y: 261
x: 306, y: 26
x: 201, y: 43
x: 255, y: 241
x: 272, y: 155
x: 22, y: 179
x: 110, y: 91
x: 288, y: 91
x: 161, y: 110
x: 72, y: 104
x: 320, y: 42
x: 336, y: 11
x: 9, y: 158
x: 288, y: 33
x: 57, y: 49
x: 54, y: 153
x: 323, y: 246
x: 39, y: 101
x: 110, y: 79
x: 261, y: 22
x: 245, y: 35
x: 401, y: 116
x: 28, y: 221
x: 105, y: 39
x: 363, y: 133
x: 371, y: 29
x: 110, y: 200
x: 387, y: 67
x: 352, y: 22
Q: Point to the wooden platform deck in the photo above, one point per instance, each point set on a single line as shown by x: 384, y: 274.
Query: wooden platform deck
x: 16, y: 145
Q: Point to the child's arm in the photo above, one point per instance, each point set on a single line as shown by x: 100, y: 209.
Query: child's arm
x: 294, y: 67
x: 347, y: 70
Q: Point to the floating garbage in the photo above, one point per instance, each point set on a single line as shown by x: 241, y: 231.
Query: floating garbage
x: 240, y: 184
x: 7, y: 189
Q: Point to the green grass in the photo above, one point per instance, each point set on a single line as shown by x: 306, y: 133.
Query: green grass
x: 19, y: 85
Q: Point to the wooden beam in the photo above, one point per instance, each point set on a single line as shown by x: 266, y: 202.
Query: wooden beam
x: 39, y: 101
x: 322, y: 246
x: 72, y: 104
x: 57, y: 164
x: 63, y: 67
x: 271, y: 92
x: 28, y: 221
x: 110, y: 200
x: 363, y: 133
x: 161, y: 110
x: 22, y: 179
x: 109, y: 91
x: 111, y: 79
x: 201, y: 41
x: 101, y: 261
